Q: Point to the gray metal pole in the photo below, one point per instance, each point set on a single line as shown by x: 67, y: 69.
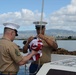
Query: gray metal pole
x: 42, y: 10
x: 41, y: 15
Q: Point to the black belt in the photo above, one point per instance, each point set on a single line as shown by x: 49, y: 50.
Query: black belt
x: 41, y: 63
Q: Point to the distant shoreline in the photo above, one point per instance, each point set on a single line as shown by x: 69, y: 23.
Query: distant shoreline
x: 56, y: 39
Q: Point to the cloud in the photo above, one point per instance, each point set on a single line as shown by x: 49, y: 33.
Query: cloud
x: 65, y: 18
x: 24, y: 17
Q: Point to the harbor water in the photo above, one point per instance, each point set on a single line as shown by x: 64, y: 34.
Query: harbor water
x: 69, y: 45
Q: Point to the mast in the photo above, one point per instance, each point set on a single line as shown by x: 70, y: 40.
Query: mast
x: 42, y: 10
x: 41, y: 22
x: 41, y: 15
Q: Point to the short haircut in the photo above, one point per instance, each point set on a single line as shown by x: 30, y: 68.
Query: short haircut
x: 6, y: 29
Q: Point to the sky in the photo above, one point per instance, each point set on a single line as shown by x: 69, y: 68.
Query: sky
x: 59, y: 14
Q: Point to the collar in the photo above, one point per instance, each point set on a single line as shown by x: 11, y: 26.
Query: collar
x: 6, y: 38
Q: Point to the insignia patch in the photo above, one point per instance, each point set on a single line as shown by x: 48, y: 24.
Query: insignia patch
x: 17, y: 52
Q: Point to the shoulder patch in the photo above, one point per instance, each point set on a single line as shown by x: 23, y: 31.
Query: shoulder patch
x: 17, y: 52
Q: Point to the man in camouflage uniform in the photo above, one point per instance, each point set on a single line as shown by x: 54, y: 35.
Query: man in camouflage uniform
x: 10, y: 57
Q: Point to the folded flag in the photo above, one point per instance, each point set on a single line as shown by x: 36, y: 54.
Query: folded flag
x: 36, y: 44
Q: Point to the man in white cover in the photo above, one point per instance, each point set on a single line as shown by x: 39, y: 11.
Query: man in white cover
x: 10, y: 57
x: 49, y: 44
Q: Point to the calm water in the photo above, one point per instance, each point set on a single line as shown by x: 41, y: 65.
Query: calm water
x: 70, y: 45
x: 66, y: 44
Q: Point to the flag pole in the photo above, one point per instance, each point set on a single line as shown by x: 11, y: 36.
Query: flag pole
x: 41, y: 22
x: 41, y: 15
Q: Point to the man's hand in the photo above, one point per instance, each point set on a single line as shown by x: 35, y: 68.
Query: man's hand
x: 34, y: 52
x: 41, y: 36
x: 30, y: 39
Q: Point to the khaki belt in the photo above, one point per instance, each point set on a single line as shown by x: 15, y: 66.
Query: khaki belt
x: 8, y: 73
